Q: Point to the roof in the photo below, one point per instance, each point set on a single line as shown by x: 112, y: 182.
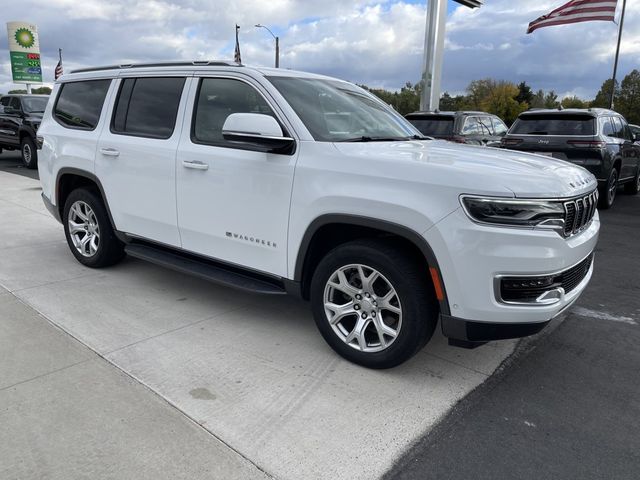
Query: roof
x: 114, y: 70
x: 594, y: 112
x: 450, y: 113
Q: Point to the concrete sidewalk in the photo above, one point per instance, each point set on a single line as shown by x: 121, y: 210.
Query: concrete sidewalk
x: 251, y: 370
x: 66, y: 413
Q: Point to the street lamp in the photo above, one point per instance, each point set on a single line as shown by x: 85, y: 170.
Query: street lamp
x: 277, y: 44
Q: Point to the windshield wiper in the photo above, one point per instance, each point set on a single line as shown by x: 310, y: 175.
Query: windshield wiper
x: 419, y: 137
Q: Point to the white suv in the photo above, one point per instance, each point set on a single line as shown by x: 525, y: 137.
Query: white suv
x: 277, y: 181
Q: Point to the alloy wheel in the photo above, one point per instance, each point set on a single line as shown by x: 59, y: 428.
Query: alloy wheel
x: 612, y: 187
x: 84, y: 229
x: 363, y: 308
x: 26, y: 153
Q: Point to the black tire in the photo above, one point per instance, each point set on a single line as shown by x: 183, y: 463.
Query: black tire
x: 110, y: 250
x: 609, y: 191
x: 633, y: 187
x: 415, y: 292
x: 29, y: 152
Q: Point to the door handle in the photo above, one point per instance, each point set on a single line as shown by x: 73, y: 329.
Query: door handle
x: 195, y: 165
x: 109, y: 152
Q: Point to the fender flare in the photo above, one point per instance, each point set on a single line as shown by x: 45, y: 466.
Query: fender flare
x: 382, y: 225
x: 89, y: 176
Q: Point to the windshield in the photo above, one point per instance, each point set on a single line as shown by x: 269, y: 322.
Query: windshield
x: 336, y: 111
x: 34, y: 104
x: 437, y: 126
x: 562, y: 124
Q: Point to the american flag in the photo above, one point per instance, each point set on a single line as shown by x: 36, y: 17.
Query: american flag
x: 58, y: 72
x: 236, y: 54
x: 576, y: 11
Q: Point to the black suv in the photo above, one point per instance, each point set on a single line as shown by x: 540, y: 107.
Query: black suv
x: 597, y: 139
x: 476, y: 128
x: 20, y: 117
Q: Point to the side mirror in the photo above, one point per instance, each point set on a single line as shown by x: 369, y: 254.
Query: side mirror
x: 258, y: 132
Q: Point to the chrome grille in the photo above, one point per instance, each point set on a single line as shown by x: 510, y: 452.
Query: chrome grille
x: 579, y: 212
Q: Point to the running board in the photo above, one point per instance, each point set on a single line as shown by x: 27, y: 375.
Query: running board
x: 207, y: 270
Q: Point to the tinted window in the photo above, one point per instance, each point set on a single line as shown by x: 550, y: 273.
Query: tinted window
x: 618, y: 128
x: 147, y: 107
x: 562, y: 124
x: 217, y: 99
x: 471, y: 127
x: 606, y: 127
x: 15, y: 103
x: 5, y: 101
x: 436, y: 125
x: 34, y: 104
x: 499, y: 127
x: 79, y: 103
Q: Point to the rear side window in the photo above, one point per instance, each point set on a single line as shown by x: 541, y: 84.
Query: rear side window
x: 436, y: 125
x: 147, y: 107
x: 562, y: 124
x: 606, y: 127
x: 618, y: 130
x: 79, y: 103
x: 471, y: 127
x: 499, y: 128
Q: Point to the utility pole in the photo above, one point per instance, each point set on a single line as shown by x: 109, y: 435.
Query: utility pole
x: 615, y: 62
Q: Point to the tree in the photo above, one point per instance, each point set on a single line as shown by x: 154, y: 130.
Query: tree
x: 501, y: 101
x: 525, y: 95
x: 41, y: 91
x: 17, y: 91
x: 537, y: 101
x: 449, y: 103
x: 628, y: 101
x: 573, y: 102
x: 551, y: 100
x: 603, y: 96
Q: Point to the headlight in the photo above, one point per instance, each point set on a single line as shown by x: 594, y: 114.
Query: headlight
x: 515, y: 213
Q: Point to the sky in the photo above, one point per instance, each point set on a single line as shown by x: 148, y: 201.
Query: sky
x: 373, y: 42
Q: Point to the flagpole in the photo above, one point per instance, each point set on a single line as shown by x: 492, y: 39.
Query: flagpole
x: 615, y: 63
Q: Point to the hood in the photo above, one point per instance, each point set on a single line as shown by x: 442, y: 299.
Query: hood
x: 478, y: 170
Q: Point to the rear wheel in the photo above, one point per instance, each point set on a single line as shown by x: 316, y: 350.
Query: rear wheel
x: 608, y: 193
x: 633, y: 187
x: 88, y: 230
x: 29, y: 152
x: 373, y: 303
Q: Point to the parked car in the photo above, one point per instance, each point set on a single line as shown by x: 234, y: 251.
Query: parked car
x: 475, y: 128
x: 20, y: 117
x: 635, y: 130
x: 249, y: 178
x: 597, y: 139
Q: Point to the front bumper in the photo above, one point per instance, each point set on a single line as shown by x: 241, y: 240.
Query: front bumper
x: 471, y: 257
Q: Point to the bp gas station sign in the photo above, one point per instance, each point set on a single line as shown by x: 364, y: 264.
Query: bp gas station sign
x: 24, y: 50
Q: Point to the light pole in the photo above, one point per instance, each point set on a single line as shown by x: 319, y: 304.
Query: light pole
x: 277, y: 43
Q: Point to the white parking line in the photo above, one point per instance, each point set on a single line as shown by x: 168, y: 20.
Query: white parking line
x: 585, y: 312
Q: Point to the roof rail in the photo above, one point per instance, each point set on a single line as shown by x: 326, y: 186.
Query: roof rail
x: 193, y: 63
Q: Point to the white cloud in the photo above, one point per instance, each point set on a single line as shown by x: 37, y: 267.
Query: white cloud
x: 375, y: 42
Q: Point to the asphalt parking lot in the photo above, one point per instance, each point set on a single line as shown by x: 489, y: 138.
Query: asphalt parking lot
x: 140, y: 372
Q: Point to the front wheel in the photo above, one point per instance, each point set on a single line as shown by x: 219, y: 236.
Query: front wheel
x: 88, y: 230
x: 29, y: 152
x: 373, y: 303
x: 608, y: 193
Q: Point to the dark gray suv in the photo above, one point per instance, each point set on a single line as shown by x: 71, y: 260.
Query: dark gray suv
x: 475, y: 128
x: 597, y: 139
